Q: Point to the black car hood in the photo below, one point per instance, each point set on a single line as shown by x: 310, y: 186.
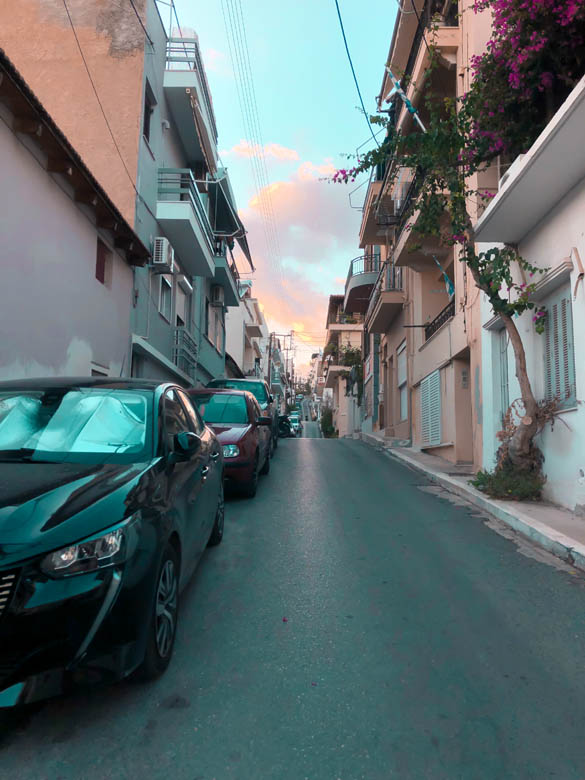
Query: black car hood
x: 44, y: 506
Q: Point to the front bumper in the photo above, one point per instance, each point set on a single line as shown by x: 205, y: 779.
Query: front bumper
x: 56, y: 632
x: 237, y: 471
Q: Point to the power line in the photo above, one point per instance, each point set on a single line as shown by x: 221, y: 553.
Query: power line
x: 357, y: 86
x: 141, y: 23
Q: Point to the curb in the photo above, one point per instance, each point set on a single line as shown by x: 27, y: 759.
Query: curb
x: 558, y: 544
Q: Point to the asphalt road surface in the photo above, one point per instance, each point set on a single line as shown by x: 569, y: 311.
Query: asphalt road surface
x: 355, y: 623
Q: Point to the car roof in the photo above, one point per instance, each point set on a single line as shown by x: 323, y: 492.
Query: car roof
x: 219, y: 391
x: 237, y: 379
x: 125, y: 383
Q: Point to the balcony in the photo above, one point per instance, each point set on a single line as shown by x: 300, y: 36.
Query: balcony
x: 362, y: 275
x: 386, y: 301
x: 442, y: 317
x: 187, y: 93
x: 181, y: 212
x: 226, y: 275
x: 332, y: 373
x: 185, y: 351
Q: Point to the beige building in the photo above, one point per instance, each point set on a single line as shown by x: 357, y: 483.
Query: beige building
x: 424, y: 308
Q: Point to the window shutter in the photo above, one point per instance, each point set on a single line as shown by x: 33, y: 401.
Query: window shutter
x: 559, y: 354
x: 430, y: 407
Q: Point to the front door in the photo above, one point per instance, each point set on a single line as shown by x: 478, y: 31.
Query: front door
x: 184, y: 482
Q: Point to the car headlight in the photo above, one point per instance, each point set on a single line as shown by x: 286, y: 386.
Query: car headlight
x: 230, y: 451
x: 97, y: 552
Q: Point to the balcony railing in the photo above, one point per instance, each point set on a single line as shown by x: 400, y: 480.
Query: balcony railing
x: 442, y: 317
x: 346, y: 319
x: 185, y: 351
x: 179, y: 184
x: 364, y: 264
x: 447, y: 15
x: 389, y: 279
x: 184, y: 54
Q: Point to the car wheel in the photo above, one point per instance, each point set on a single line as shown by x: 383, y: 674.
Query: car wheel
x: 252, y: 486
x: 217, y: 532
x: 163, y: 621
x: 266, y: 467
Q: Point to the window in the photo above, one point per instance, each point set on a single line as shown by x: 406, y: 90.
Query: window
x: 559, y: 351
x: 149, y: 104
x: 430, y: 409
x: 182, y: 308
x: 165, y: 298
x: 175, y: 418
x: 103, y: 263
x: 196, y: 423
x: 222, y: 408
x: 402, y: 381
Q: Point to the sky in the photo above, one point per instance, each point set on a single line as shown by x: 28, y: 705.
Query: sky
x: 309, y: 118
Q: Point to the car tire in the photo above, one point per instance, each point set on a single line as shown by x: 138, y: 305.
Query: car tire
x: 251, y: 487
x: 217, y: 531
x: 161, y: 640
x: 266, y: 467
x: 275, y: 442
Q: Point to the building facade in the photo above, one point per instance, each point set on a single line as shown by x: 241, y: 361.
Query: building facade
x: 136, y: 103
x: 67, y: 278
x: 539, y: 208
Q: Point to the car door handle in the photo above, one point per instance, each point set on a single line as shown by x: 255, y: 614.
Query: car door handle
x: 214, y: 455
x: 204, y: 472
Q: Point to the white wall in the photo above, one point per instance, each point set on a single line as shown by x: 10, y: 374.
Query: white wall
x: 55, y: 317
x: 547, y: 246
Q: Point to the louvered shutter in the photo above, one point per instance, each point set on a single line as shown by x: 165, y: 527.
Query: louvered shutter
x: 559, y: 354
x: 430, y: 409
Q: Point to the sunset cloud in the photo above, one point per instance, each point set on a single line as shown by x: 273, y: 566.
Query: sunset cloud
x: 275, y: 151
x: 317, y: 235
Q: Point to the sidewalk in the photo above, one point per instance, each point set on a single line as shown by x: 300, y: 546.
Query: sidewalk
x: 558, y: 530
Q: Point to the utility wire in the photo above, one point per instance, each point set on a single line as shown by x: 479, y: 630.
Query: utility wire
x: 353, y: 72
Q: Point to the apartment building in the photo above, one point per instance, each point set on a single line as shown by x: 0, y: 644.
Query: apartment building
x: 135, y: 102
x: 247, y: 333
x: 539, y: 208
x: 424, y: 308
x: 344, y: 326
x: 67, y: 276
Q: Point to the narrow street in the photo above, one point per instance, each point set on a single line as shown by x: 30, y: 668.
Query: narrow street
x: 343, y: 631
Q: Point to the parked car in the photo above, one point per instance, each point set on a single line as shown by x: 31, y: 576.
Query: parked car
x: 295, y: 422
x: 261, y: 393
x: 110, y: 491
x: 243, y: 431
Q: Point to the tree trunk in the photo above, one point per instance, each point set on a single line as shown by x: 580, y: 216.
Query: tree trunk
x: 521, y: 448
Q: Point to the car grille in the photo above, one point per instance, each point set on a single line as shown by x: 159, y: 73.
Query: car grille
x: 7, y: 585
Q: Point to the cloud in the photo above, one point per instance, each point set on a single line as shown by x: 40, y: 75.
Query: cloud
x: 215, y: 61
x: 275, y: 151
x: 318, y: 236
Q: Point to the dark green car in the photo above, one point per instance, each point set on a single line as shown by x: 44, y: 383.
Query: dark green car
x: 110, y: 491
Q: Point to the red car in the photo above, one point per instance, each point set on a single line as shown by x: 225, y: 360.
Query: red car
x: 242, y: 430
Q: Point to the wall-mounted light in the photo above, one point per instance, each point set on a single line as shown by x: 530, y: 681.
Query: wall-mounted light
x: 166, y: 125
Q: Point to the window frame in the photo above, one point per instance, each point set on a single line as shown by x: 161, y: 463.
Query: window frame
x: 559, y: 349
x: 402, y: 381
x: 165, y: 281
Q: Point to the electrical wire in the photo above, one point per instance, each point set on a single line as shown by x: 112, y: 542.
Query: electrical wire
x: 353, y: 71
x: 419, y: 20
x: 149, y: 39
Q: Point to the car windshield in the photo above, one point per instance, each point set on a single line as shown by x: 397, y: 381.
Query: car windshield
x: 257, y: 389
x: 76, y: 425
x: 222, y: 408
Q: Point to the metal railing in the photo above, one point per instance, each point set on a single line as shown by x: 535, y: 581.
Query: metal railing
x: 178, y: 184
x: 389, y: 279
x: 184, y: 54
x: 442, y: 317
x: 364, y: 264
x: 447, y: 15
x: 341, y: 318
x: 185, y: 351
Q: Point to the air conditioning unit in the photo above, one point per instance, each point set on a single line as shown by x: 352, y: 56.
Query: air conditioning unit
x: 217, y: 295
x: 163, y: 256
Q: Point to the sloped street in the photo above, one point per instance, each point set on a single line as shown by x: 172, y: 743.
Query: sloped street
x: 343, y: 630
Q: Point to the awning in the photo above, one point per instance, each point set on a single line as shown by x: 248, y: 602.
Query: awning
x: 224, y: 219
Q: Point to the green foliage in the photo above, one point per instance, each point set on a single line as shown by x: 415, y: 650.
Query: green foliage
x: 327, y: 423
x: 507, y: 482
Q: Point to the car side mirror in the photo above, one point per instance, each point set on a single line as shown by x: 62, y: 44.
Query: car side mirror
x: 185, y: 445
x: 264, y: 421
